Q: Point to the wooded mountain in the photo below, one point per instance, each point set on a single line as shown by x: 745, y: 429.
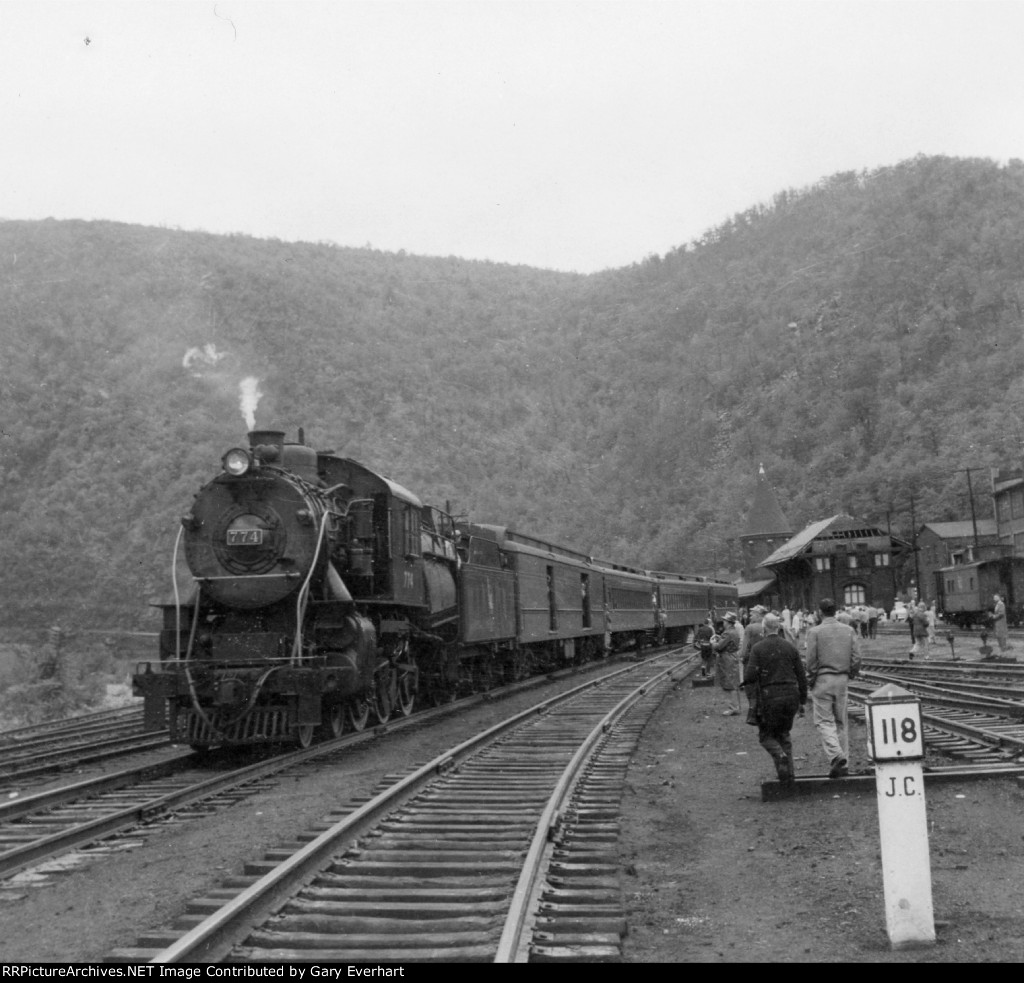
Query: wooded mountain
x: 862, y: 338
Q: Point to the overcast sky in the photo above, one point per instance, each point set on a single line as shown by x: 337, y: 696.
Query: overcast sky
x: 568, y: 135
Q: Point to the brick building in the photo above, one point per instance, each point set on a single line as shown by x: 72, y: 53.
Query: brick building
x: 942, y: 544
x: 1008, y: 505
x: 841, y: 558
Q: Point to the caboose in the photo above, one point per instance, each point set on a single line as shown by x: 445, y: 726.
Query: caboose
x: 965, y: 590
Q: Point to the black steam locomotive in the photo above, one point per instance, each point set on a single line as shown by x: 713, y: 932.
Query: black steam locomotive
x: 326, y: 595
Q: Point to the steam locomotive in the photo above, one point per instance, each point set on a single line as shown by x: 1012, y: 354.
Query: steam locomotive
x: 325, y: 596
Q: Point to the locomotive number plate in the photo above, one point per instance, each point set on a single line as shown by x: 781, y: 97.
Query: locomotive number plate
x: 245, y: 537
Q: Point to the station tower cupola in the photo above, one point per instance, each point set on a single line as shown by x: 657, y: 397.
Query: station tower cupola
x: 766, y: 530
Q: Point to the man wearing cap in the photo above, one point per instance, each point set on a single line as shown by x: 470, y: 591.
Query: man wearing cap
x: 776, y: 673
x: 833, y: 654
x: 727, y: 671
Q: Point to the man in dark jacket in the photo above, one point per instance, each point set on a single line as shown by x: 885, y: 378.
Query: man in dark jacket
x: 776, y: 672
x: 702, y: 642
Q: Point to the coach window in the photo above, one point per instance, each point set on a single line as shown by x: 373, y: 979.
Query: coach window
x: 585, y: 598
x: 552, y: 601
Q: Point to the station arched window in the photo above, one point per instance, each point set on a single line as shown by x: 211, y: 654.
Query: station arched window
x: 854, y: 594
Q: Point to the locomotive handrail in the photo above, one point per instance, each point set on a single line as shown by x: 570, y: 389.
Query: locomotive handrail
x: 177, y: 595
x: 291, y: 574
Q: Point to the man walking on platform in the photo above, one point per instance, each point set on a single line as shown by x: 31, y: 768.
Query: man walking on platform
x: 833, y: 657
x: 776, y: 674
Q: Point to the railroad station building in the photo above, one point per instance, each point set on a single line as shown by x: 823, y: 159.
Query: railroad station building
x: 766, y: 529
x: 842, y: 558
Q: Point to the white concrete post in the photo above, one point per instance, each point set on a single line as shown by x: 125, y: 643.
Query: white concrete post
x: 896, y: 745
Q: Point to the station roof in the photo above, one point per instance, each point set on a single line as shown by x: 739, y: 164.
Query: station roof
x: 752, y: 588
x: 962, y: 528
x: 836, y: 527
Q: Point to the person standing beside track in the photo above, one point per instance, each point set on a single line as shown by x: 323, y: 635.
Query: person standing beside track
x: 775, y: 672
x: 919, y: 618
x: 999, y: 622
x: 727, y: 672
x: 833, y: 656
x: 702, y: 643
x: 933, y: 622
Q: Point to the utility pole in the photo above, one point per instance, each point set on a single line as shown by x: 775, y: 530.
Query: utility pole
x: 974, y: 518
x: 913, y: 543
x: 888, y: 532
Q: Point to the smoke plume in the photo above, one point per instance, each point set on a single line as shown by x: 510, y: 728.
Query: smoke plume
x: 249, y: 397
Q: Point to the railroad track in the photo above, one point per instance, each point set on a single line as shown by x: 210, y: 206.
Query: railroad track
x: 503, y: 848
x: 995, y: 678
x: 101, y: 720
x: 35, y: 828
x: 71, y: 743
x: 985, y: 726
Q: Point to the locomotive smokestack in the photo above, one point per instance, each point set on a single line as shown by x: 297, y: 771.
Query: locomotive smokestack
x: 267, y: 445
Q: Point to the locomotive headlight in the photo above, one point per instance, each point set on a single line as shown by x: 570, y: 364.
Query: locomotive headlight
x: 236, y: 461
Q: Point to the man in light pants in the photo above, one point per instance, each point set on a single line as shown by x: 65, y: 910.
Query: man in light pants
x: 833, y: 653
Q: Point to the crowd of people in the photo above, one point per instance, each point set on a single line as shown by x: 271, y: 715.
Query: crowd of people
x: 761, y: 657
x: 759, y: 651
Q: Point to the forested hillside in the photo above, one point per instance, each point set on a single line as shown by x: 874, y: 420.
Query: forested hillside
x: 861, y: 338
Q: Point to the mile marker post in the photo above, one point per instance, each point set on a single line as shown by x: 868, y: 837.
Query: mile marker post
x: 896, y: 745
